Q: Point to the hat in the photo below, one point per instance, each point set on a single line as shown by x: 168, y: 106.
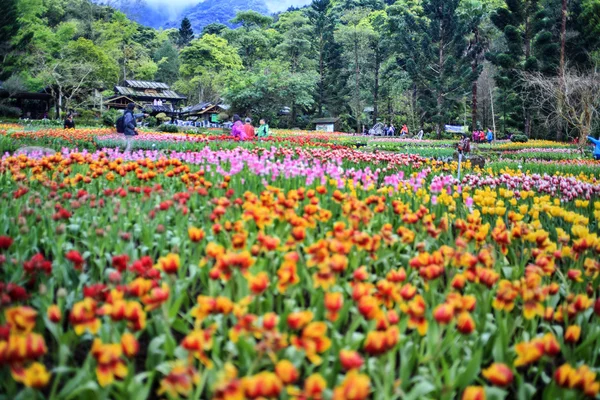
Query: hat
x: 248, y: 120
x: 130, y: 106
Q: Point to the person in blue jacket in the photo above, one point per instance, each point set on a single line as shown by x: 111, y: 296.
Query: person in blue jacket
x: 490, y: 136
x: 131, y: 124
x: 597, y: 149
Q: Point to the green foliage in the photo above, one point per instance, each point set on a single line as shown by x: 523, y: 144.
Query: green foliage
x: 268, y: 88
x: 186, y: 33
x: 9, y: 111
x: 109, y: 118
x: 167, y: 61
x: 519, y: 138
x: 169, y: 128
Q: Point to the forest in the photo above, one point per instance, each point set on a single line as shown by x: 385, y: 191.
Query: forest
x: 521, y: 66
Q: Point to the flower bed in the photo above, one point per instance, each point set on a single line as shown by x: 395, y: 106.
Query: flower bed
x: 294, y: 272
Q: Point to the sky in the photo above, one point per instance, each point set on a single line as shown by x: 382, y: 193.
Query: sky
x: 274, y: 5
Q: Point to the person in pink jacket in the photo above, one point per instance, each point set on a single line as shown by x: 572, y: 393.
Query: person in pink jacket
x: 237, y: 130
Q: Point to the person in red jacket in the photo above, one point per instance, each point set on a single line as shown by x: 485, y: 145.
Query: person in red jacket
x: 248, y: 130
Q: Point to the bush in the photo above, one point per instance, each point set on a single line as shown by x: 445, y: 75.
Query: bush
x: 519, y: 139
x: 9, y: 111
x: 109, y: 118
x: 168, y: 128
x: 152, y: 122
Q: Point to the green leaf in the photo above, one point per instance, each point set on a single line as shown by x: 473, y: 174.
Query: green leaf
x: 420, y: 390
x: 472, y: 370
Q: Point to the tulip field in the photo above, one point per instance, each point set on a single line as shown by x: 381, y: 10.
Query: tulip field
x: 299, y: 267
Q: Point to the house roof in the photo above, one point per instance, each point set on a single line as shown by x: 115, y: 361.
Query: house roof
x: 149, y: 94
x: 146, y: 85
x: 203, y: 108
x: 325, y: 121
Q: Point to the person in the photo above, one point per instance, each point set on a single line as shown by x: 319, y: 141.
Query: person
x: 490, y: 136
x: 263, y: 129
x: 69, y: 123
x: 420, y: 135
x: 385, y: 130
x: 248, y: 130
x: 404, y: 130
x: 597, y: 148
x: 464, y: 145
x: 237, y: 130
x: 129, y: 121
x: 392, y: 130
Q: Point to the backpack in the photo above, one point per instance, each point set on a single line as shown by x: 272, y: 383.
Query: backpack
x: 121, y: 123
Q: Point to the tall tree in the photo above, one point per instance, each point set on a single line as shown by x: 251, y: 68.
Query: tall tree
x: 322, y: 34
x: 167, y: 59
x: 205, y: 64
x: 186, y: 33
x: 515, y: 21
x: 8, y: 30
x: 435, y: 47
x: 355, y: 34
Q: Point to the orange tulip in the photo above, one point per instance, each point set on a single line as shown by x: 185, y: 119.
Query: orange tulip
x: 498, y: 374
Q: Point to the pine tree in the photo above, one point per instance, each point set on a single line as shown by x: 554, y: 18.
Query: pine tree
x: 434, y: 46
x: 186, y: 33
x: 517, y: 22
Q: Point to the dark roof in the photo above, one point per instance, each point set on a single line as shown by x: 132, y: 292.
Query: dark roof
x: 149, y: 94
x: 325, y: 121
x: 146, y: 85
x: 202, y: 108
x: 197, y: 107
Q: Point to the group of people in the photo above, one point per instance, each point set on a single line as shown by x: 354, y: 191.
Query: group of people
x: 391, y: 130
x: 480, y: 136
x: 245, y: 130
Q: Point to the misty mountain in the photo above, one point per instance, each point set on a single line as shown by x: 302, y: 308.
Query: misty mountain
x: 221, y: 11
x: 201, y: 14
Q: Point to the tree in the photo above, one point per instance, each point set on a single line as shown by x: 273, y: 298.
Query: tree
x: 434, y: 46
x: 265, y: 89
x: 474, y: 15
x: 251, y: 20
x: 573, y: 98
x: 515, y: 21
x: 8, y: 30
x: 167, y: 60
x: 204, y: 65
x: 322, y: 30
x: 214, y: 29
x: 355, y: 35
x: 186, y: 33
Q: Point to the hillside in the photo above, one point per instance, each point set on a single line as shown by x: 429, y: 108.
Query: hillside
x: 200, y: 14
x: 218, y: 11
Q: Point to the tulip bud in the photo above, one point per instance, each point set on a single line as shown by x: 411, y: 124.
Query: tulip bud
x: 54, y: 314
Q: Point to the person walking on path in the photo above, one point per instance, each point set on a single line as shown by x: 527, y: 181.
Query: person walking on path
x: 263, y: 129
x: 237, y: 130
x: 597, y: 148
x: 69, y: 123
x: 129, y: 121
x: 490, y: 136
x: 249, y: 132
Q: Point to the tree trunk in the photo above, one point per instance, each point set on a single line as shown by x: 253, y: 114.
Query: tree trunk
x: 357, y: 89
x: 321, y: 75
x: 561, y: 67
x: 474, y: 99
x: 376, y: 91
x: 438, y: 128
